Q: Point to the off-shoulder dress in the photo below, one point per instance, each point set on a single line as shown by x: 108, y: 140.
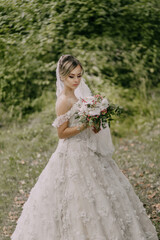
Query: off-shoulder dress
x: 82, y: 195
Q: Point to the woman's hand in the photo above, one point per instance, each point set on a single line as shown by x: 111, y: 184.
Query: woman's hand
x: 82, y: 127
x: 95, y: 130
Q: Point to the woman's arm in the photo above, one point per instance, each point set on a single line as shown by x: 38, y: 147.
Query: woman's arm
x: 65, y: 132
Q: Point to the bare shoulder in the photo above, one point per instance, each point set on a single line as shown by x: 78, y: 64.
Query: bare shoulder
x: 63, y: 105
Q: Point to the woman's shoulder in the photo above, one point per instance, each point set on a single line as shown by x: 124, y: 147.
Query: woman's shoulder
x: 63, y: 105
x: 64, y: 108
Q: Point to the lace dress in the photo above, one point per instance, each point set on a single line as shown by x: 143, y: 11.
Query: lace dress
x: 82, y: 195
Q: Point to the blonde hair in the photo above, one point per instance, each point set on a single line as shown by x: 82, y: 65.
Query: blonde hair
x: 66, y: 64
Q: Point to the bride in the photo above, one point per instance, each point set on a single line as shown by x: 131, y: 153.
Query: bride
x: 81, y: 194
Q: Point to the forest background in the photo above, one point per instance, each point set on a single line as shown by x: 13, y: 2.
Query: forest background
x: 117, y: 42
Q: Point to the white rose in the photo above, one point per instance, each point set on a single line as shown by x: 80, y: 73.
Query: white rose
x: 98, y: 104
x: 89, y: 100
x: 94, y: 111
x: 83, y: 109
x: 104, y: 104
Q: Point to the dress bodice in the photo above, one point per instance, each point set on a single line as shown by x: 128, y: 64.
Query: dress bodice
x: 72, y: 121
x: 100, y: 142
x: 68, y: 116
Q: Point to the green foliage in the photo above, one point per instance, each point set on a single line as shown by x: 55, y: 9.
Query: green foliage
x: 117, y: 41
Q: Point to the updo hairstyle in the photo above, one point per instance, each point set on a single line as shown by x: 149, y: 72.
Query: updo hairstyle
x: 66, y: 64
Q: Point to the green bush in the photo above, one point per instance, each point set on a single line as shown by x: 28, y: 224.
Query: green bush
x: 118, y: 41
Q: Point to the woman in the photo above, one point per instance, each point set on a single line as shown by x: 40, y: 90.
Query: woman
x: 81, y: 194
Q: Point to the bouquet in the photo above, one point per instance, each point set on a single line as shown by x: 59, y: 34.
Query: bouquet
x: 97, y: 112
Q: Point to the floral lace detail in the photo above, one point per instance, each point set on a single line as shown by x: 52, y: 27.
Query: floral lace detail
x: 64, y: 117
x: 82, y: 195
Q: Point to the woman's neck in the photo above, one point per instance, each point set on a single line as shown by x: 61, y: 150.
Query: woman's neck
x: 69, y: 92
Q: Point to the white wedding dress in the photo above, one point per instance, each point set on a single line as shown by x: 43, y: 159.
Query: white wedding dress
x: 82, y: 195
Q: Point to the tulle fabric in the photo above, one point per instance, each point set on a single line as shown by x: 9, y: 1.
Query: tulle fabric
x: 82, y: 195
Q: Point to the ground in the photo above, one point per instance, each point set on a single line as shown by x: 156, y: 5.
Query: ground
x: 25, y: 150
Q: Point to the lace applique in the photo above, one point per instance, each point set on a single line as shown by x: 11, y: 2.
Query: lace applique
x: 82, y: 195
x: 64, y: 117
x: 61, y: 119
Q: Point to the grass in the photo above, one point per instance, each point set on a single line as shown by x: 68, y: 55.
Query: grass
x: 26, y: 146
x: 138, y: 157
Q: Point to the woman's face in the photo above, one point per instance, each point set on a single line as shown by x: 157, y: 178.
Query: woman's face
x: 73, y: 79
